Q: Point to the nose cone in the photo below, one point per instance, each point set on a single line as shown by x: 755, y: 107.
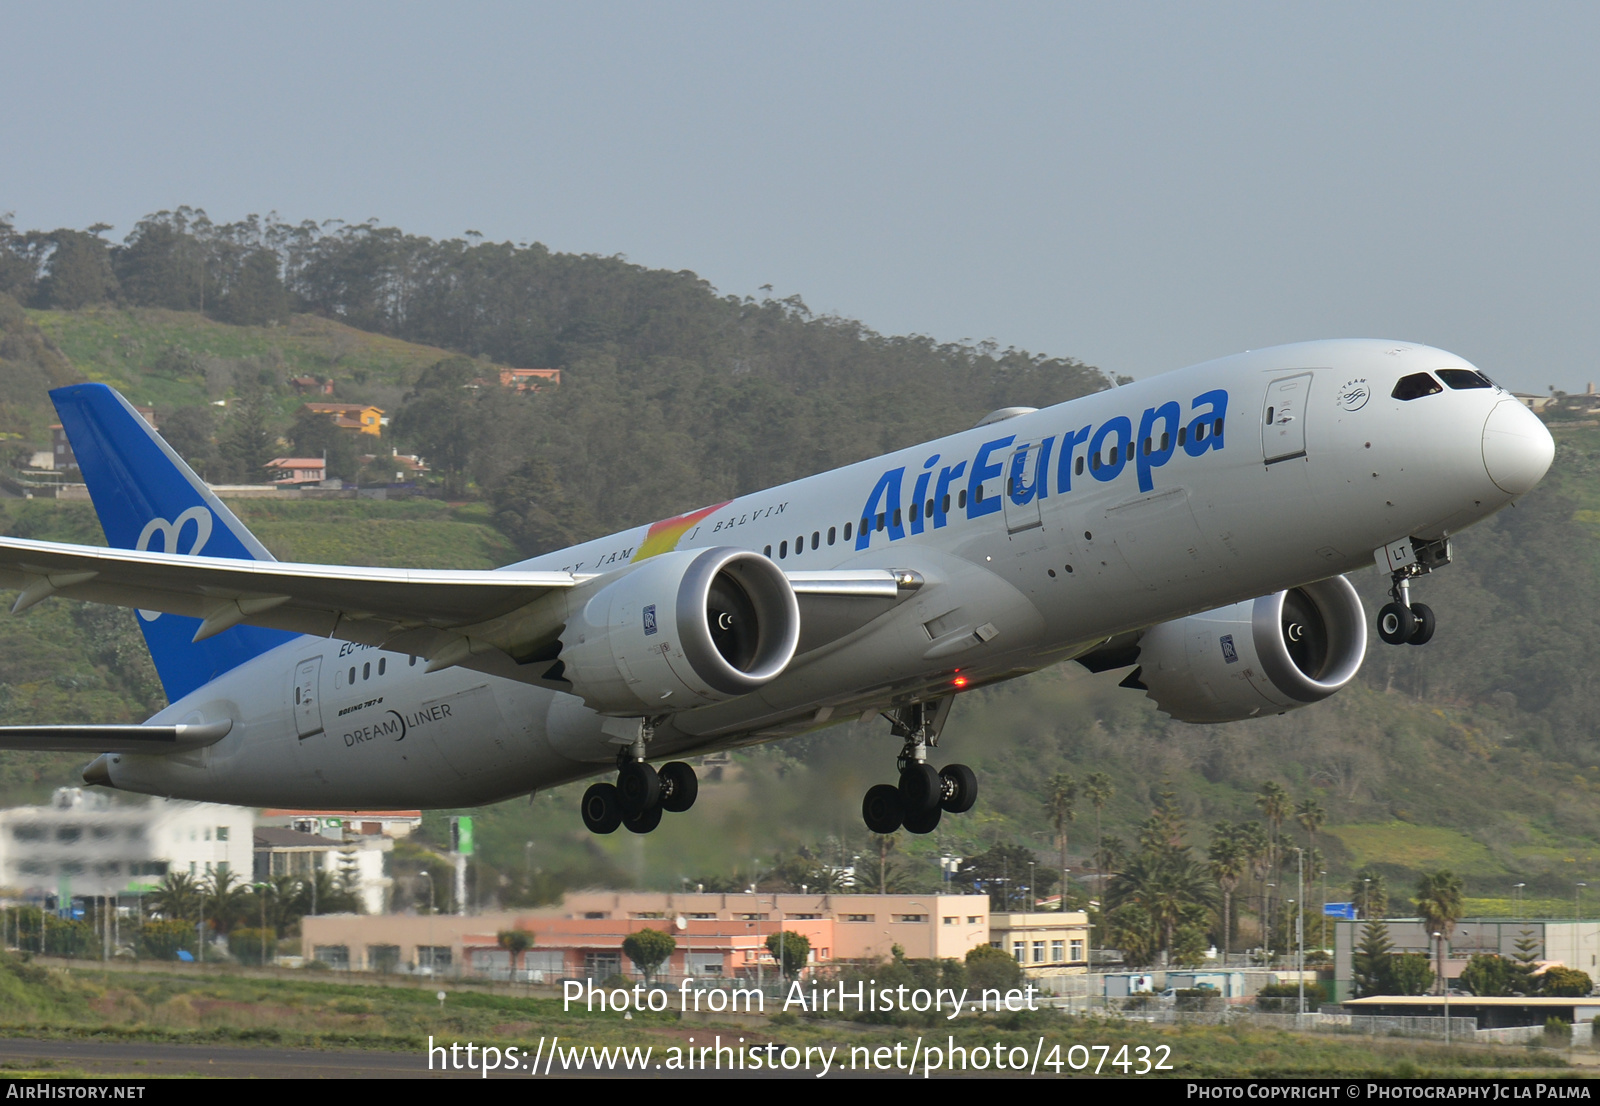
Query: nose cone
x: 1517, y: 449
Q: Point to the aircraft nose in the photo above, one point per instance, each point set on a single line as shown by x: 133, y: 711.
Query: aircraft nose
x: 1517, y: 449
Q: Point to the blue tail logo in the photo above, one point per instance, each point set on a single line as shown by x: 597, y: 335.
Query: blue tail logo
x: 147, y: 498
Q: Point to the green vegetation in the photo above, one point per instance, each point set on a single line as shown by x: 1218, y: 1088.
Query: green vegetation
x: 1478, y: 754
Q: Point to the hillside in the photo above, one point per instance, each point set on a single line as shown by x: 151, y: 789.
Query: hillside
x: 1479, y: 752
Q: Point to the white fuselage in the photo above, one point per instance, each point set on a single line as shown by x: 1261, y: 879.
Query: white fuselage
x: 1032, y: 572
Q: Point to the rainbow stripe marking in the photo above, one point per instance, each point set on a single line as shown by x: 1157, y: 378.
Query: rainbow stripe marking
x: 663, y: 536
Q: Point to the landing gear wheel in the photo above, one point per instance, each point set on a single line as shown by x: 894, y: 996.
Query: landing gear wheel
x: 638, y: 786
x: 1423, y: 632
x: 920, y: 788
x: 881, y: 809
x: 645, y: 821
x: 960, y: 788
x: 1396, y: 623
x: 601, y: 808
x: 924, y: 823
x: 679, y: 787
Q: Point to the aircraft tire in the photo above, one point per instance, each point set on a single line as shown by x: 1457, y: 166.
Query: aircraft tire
x: 961, y: 787
x: 645, y: 821
x: 1396, y: 623
x: 881, y: 809
x: 679, y: 787
x: 638, y: 786
x: 924, y: 823
x: 1425, y: 624
x: 601, y: 808
x: 920, y: 788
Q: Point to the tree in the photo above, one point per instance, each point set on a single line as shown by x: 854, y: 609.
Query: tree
x: 256, y: 295
x: 161, y: 938
x: 1440, y: 907
x: 1487, y: 975
x: 1560, y: 982
x: 1372, y: 962
x: 442, y: 419
x: 79, y: 272
x: 1169, y: 887
x: 1228, y: 863
x: 1001, y: 869
x: 1275, y: 805
x: 791, y: 950
x: 1370, y: 893
x: 226, y: 901
x: 648, y: 949
x: 516, y: 942
x: 991, y: 969
x: 1060, y: 795
x: 247, y: 443
x: 1522, y: 977
x: 1409, y: 973
x: 1098, y: 789
x: 177, y: 899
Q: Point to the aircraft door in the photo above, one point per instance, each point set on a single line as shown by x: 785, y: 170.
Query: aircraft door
x: 1283, y: 430
x: 1022, y: 489
x: 308, y: 697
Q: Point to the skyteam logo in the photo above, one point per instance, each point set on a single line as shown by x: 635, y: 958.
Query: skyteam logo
x: 171, y: 539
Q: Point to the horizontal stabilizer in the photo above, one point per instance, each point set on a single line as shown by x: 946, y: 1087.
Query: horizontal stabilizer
x: 115, y: 739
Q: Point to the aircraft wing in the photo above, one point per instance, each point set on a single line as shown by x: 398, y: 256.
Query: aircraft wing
x: 354, y: 602
x: 114, y: 739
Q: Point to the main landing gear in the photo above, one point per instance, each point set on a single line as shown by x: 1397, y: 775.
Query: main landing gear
x: 1400, y: 621
x: 641, y: 794
x: 924, y: 793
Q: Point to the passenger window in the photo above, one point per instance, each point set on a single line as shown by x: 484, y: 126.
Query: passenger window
x: 799, y: 545
x: 1270, y: 410
x: 847, y: 531
x: 383, y: 663
x: 366, y: 671
x: 946, y: 502
x: 961, y: 500
x: 927, y: 512
x: 352, y: 680
x: 1199, y: 431
x: 977, y: 496
x: 1166, y: 441
x: 1094, y: 463
x: 767, y: 552
x: 1183, y: 436
x: 413, y: 660
x: 1218, y: 429
x: 816, y: 539
x: 1078, y: 468
x: 1463, y: 378
x: 783, y: 549
x: 897, y: 518
x: 1130, y: 451
x: 832, y: 533
x: 1415, y: 386
x: 881, y: 517
x: 916, y: 512
x: 866, y: 524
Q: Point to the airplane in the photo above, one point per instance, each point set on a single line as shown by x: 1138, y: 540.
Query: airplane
x: 1194, y: 527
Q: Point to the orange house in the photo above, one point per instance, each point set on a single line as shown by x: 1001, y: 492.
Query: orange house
x: 350, y: 416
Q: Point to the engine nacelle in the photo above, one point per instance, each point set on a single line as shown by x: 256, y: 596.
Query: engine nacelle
x: 1262, y: 656
x: 681, y: 630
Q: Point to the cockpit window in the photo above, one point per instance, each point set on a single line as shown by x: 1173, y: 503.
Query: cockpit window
x: 1464, y: 378
x: 1416, y: 386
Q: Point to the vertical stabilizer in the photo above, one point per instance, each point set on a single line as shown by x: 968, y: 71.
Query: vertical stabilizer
x: 148, y: 498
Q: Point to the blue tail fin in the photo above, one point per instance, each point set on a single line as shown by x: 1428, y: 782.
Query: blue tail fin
x: 147, y: 498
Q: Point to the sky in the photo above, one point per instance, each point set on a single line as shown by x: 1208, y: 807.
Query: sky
x: 1138, y: 185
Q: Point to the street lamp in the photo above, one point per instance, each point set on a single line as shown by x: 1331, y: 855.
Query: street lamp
x: 1446, y: 981
x: 1516, y: 899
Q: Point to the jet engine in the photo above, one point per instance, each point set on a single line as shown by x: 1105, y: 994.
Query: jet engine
x: 1263, y: 656
x: 681, y: 630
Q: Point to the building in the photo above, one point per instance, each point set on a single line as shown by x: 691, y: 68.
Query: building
x: 311, y: 385
x: 359, y: 417
x: 1572, y: 944
x: 363, y: 862
x: 345, y: 824
x: 62, y: 458
x: 529, y: 380
x: 1044, y: 944
x: 717, y: 934
x: 297, y: 470
x: 85, y: 844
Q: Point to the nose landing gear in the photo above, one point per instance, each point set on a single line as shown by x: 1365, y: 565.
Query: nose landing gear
x: 924, y: 793
x: 1400, y: 621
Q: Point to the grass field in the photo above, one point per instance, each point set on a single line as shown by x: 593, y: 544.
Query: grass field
x: 310, y: 1012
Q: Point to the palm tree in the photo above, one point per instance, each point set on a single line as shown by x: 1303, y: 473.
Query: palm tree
x: 1167, y: 886
x: 1276, y: 805
x: 177, y: 899
x: 1098, y: 789
x: 225, y: 900
x: 1440, y: 907
x: 1063, y: 791
x: 1228, y: 862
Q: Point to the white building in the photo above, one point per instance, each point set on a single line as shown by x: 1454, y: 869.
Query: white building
x: 83, y: 843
